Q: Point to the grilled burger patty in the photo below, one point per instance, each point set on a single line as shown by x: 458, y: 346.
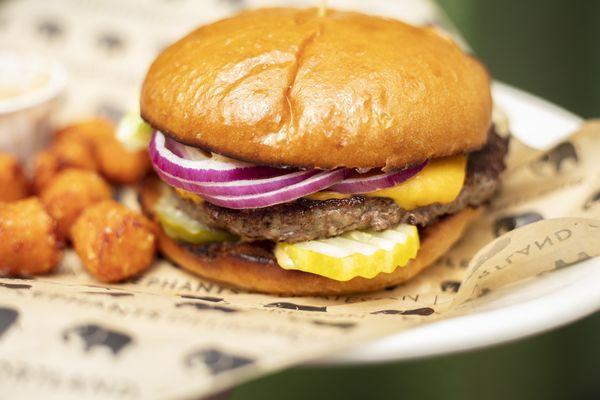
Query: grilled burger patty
x: 306, y: 219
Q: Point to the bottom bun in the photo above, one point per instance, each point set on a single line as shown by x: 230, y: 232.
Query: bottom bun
x: 253, y: 267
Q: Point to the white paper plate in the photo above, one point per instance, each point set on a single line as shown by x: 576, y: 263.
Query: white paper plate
x: 559, y: 299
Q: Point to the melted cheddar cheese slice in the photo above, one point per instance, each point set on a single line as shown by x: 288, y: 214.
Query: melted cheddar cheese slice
x: 439, y: 182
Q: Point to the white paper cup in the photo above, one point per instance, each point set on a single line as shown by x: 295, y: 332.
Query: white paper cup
x: 30, y: 86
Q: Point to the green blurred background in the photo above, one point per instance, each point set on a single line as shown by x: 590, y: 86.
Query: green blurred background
x: 550, y: 48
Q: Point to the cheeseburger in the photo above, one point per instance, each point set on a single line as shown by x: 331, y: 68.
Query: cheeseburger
x: 302, y: 153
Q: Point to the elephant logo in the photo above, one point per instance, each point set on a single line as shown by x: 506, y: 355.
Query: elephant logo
x: 50, y: 29
x: 205, y: 298
x: 560, y: 263
x: 592, y: 201
x: 94, y: 335
x: 340, y: 325
x: 417, y: 311
x: 15, y: 285
x: 514, y: 221
x: 204, y: 306
x: 450, y: 286
x: 8, y: 317
x: 110, y: 294
x: 556, y: 158
x: 215, y: 360
x: 297, y: 307
x: 110, y: 42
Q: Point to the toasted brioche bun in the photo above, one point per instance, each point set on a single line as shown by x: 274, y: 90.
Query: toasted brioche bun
x: 251, y: 267
x: 287, y: 87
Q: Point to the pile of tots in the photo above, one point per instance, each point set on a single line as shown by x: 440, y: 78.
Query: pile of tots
x: 69, y: 200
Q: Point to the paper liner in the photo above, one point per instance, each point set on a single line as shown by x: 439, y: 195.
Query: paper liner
x: 172, y: 335
x: 169, y: 334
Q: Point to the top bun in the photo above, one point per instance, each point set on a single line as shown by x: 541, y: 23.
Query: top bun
x: 289, y: 87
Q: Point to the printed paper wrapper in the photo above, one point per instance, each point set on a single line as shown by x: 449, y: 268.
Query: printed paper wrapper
x: 170, y: 334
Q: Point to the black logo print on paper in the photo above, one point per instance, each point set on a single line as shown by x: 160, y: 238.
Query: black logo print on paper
x: 216, y: 360
x: 556, y: 158
x: 450, y: 286
x: 514, y: 221
x: 340, y: 325
x: 560, y: 263
x: 51, y: 29
x: 205, y: 298
x: 110, y: 42
x: 206, y: 307
x: 417, y: 311
x: 8, y: 317
x: 235, y: 3
x: 594, y: 200
x: 94, y: 336
x: 111, y: 294
x: 297, y: 307
x: 108, y: 110
x: 15, y: 285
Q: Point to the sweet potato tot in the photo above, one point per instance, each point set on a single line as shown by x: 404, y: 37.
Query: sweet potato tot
x: 90, y: 145
x: 13, y: 182
x: 71, y: 192
x: 73, y: 147
x: 118, y: 164
x: 28, y: 239
x: 75, y: 152
x: 46, y: 166
x: 113, y: 242
x: 115, y: 162
x: 63, y: 154
x: 85, y: 131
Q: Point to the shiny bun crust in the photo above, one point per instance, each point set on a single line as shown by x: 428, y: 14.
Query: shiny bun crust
x: 287, y: 87
x: 251, y: 267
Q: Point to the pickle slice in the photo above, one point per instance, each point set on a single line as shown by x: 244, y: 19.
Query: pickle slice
x: 356, y: 253
x: 178, y: 225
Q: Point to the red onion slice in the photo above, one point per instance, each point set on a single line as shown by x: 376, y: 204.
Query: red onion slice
x: 201, y: 168
x: 318, y: 182
x: 358, y: 184
x: 241, y: 187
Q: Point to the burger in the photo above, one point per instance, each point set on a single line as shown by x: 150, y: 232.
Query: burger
x: 308, y: 153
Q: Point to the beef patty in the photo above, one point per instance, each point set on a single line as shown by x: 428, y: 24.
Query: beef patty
x: 306, y: 219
